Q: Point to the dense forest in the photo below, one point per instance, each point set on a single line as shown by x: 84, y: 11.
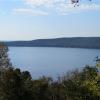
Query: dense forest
x: 19, y: 85
x: 75, y: 42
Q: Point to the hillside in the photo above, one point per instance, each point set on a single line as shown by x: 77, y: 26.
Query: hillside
x: 75, y: 42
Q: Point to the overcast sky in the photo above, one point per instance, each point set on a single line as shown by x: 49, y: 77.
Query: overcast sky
x: 35, y: 19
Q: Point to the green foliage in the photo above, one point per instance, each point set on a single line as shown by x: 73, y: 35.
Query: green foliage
x: 76, y: 85
x: 42, y: 89
x: 84, y: 85
x: 4, y: 60
x: 13, y: 86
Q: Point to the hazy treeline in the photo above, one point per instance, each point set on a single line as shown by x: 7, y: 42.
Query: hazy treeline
x: 75, y: 42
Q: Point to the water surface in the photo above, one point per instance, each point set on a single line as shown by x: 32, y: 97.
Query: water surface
x: 51, y: 61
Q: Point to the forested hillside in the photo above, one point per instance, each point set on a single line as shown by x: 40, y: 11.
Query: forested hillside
x: 75, y: 42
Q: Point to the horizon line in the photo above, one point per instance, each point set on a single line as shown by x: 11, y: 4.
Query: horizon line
x: 51, y: 38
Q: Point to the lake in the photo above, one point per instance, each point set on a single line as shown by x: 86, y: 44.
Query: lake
x: 51, y: 61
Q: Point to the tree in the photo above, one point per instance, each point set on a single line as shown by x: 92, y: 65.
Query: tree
x: 76, y: 2
x: 15, y: 85
x: 42, y: 89
x: 4, y: 60
x: 84, y: 85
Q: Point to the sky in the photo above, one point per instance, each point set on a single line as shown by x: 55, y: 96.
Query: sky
x: 36, y: 19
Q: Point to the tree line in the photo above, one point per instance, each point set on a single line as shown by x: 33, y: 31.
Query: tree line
x: 77, y: 85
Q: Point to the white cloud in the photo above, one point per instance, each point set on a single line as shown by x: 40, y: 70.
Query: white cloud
x: 67, y: 9
x: 46, y: 3
x: 90, y: 6
x: 62, y: 7
x: 29, y: 12
x: 39, y: 2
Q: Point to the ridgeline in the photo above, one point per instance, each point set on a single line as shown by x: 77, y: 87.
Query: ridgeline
x: 74, y: 42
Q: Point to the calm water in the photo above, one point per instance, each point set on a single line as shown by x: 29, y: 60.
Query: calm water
x: 51, y: 61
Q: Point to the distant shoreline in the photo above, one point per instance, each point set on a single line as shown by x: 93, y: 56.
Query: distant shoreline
x: 55, y: 47
x: 75, y: 42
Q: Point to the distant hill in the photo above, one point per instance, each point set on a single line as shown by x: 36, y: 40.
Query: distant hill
x: 74, y: 42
